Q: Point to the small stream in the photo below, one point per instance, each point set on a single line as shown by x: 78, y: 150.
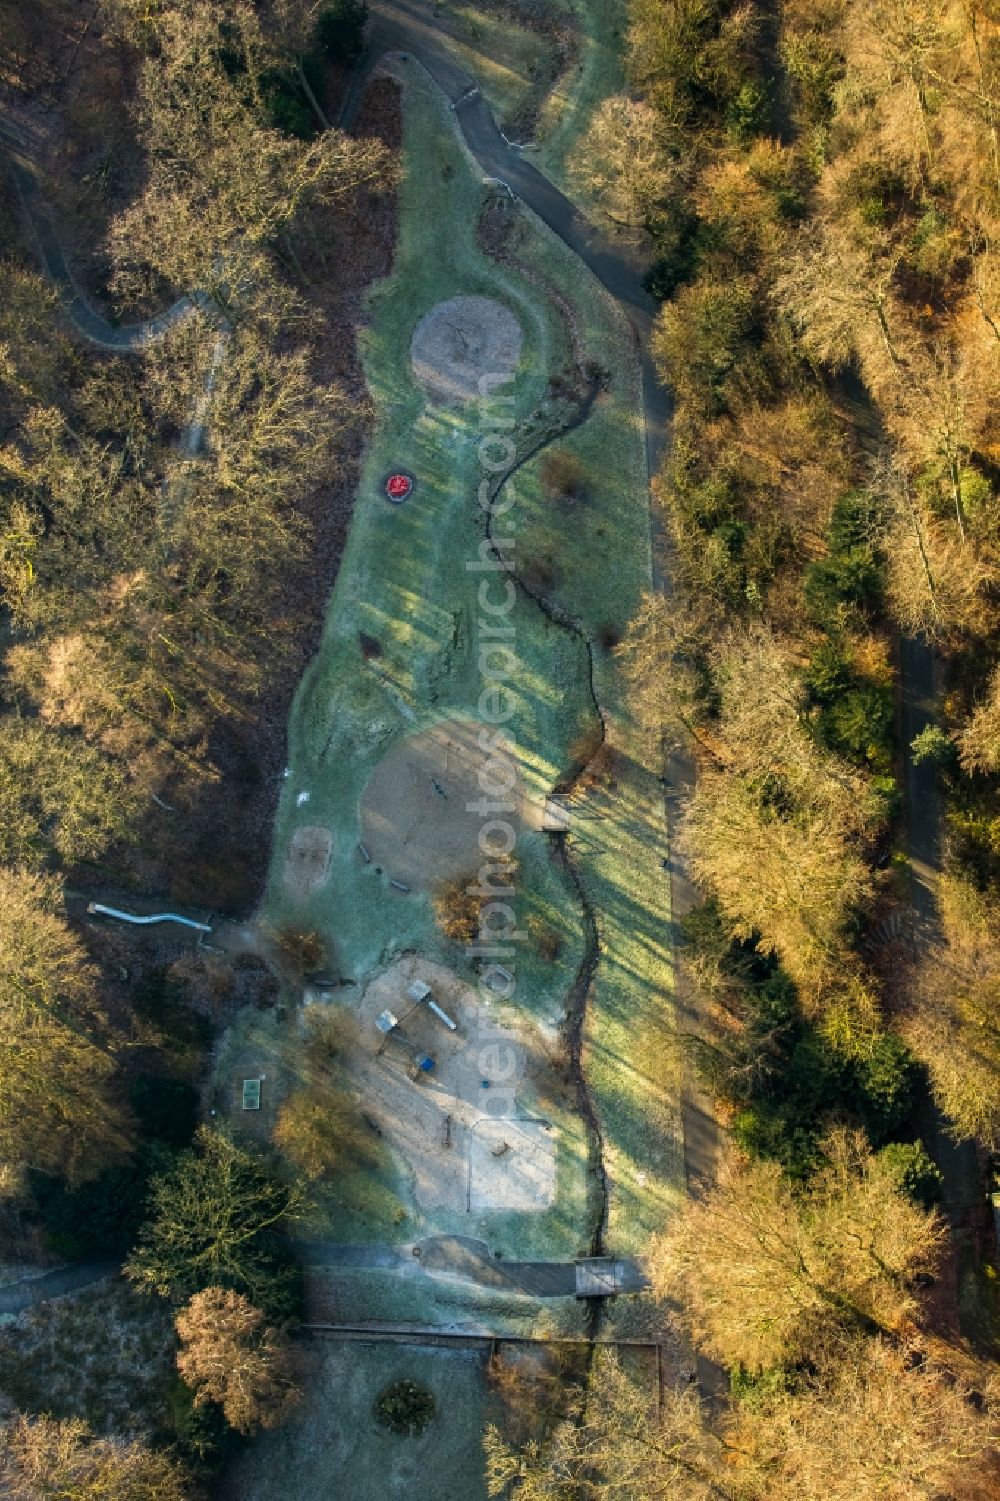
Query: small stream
x: 576, y: 1000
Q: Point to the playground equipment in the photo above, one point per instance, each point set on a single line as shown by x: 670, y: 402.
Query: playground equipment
x: 420, y: 994
x: 97, y: 909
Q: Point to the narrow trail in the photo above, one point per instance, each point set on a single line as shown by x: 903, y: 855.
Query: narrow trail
x: 128, y: 338
x: 919, y: 671
x: 90, y: 324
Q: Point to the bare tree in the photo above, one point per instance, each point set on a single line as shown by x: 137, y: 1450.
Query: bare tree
x: 874, y: 1421
x: 223, y: 190
x: 230, y: 1355
x: 611, y: 1446
x: 759, y: 1269
x: 773, y: 828
x: 43, y: 1458
x: 57, y: 1112
x: 937, y: 581
x: 624, y: 162
x: 954, y: 1023
x: 979, y: 738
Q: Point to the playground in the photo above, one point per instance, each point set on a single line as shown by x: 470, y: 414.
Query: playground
x: 467, y: 1147
x: 420, y: 815
x: 388, y: 751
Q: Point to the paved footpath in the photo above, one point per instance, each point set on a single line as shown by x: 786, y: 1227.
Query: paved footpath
x: 17, y: 1296
x: 465, y: 1259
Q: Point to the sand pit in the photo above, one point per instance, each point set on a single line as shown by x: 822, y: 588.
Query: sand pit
x: 308, y: 860
x: 415, y: 816
x: 459, y: 342
x: 512, y: 1165
x: 468, y: 1149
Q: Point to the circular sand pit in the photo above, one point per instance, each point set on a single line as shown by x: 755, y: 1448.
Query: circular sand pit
x: 308, y: 860
x: 421, y: 813
x: 460, y: 342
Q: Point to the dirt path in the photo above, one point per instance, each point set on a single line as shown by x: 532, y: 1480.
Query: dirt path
x: 922, y: 833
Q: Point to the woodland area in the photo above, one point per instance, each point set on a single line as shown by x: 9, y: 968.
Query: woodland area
x: 160, y: 597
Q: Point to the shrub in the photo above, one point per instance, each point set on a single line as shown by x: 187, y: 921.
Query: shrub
x: 747, y: 112
x: 458, y: 903
x: 675, y: 251
x: 404, y: 1407
x: 286, y: 110
x: 318, y: 1128
x: 562, y: 474
x: 302, y: 947
x: 159, y: 999
x: 933, y: 744
x: 203, y: 1437
x: 456, y: 909
x: 913, y: 1172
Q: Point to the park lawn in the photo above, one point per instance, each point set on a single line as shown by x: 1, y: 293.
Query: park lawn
x: 576, y: 95
x: 602, y: 548
x: 333, y: 1446
x: 403, y: 581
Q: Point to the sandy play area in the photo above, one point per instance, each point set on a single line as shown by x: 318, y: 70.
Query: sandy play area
x: 308, y: 860
x: 467, y: 1147
x: 460, y: 341
x: 415, y: 818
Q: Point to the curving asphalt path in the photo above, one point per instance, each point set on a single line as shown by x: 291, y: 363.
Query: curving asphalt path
x: 17, y: 1296
x: 94, y: 328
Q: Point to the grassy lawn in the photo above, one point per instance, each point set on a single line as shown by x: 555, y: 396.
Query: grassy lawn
x: 105, y: 1355
x: 601, y: 543
x: 334, y: 1446
x: 403, y: 579
x: 403, y: 582
x: 568, y: 108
